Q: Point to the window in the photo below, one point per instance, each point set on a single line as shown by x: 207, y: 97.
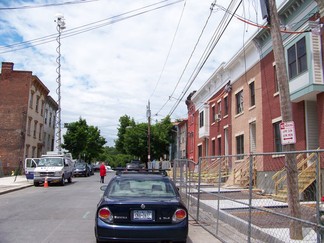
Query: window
x: 29, y: 126
x: 213, y: 114
x: 40, y: 132
x: 199, y: 151
x: 219, y: 141
x: 31, y: 99
x: 252, y: 94
x: 239, y: 102
x: 225, y: 105
x: 277, y: 139
x: 46, y: 116
x: 276, y: 86
x: 297, y: 58
x: 201, y: 119
x: 213, y: 147
x: 42, y: 108
x: 37, y: 103
x: 219, y: 108
x: 50, y: 119
x: 35, y: 129
x: 240, y: 146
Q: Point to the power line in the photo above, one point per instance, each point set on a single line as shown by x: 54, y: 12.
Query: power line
x: 167, y: 58
x: 85, y: 28
x: 47, y: 5
x: 214, y: 42
x: 192, y: 52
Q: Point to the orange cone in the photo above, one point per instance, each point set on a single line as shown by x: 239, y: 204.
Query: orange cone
x: 46, y: 183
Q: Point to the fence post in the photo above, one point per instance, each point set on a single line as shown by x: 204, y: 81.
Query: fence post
x: 318, y: 196
x: 219, y: 185
x: 250, y: 197
x: 199, y: 181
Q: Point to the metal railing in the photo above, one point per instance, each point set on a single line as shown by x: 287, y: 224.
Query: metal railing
x: 245, y: 200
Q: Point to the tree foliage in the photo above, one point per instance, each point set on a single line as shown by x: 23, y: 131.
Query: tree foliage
x: 124, y: 122
x: 83, y: 141
x: 113, y: 158
x: 135, y: 139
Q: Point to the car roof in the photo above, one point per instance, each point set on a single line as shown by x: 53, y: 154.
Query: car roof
x: 145, y: 174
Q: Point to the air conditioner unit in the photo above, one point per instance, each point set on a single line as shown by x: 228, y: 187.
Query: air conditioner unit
x: 217, y: 117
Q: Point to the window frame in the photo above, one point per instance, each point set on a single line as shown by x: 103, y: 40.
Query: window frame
x: 239, y: 102
x: 297, y: 58
x: 240, y: 146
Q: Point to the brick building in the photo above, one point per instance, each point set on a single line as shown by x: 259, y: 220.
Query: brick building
x: 27, y: 117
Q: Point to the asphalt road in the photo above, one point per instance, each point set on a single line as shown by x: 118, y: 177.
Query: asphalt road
x: 60, y: 214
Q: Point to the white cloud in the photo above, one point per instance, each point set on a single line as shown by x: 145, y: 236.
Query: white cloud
x: 112, y: 71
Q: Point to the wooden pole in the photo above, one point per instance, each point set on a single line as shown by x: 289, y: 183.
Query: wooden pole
x: 286, y: 114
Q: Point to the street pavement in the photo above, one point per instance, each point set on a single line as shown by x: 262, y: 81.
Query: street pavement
x: 13, y: 183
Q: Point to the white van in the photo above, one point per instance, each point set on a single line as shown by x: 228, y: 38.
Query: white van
x: 55, y: 168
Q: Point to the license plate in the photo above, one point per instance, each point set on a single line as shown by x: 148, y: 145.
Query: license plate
x: 142, y: 215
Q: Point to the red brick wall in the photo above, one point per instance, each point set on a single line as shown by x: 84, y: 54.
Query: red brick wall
x: 14, y: 94
x: 270, y: 103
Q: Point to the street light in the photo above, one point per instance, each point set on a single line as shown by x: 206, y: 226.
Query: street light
x: 59, y: 27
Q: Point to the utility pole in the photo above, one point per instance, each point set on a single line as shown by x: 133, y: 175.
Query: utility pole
x: 148, y: 114
x: 286, y: 114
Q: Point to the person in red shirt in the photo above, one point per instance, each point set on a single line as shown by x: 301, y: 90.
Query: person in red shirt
x: 102, y: 171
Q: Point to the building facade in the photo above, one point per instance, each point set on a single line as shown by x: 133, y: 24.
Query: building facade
x: 23, y: 103
x: 245, y: 119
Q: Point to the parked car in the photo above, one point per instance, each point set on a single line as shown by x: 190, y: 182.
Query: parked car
x: 54, y: 168
x: 91, y: 169
x: 81, y: 169
x: 96, y: 166
x: 141, y: 207
x: 135, y: 165
x: 109, y: 169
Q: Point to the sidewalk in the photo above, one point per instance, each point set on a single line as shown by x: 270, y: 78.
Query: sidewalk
x: 14, y: 183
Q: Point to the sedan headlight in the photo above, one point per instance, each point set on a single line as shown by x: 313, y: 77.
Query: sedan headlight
x: 58, y: 173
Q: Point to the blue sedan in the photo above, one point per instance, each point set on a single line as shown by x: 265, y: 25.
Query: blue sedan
x: 141, y: 207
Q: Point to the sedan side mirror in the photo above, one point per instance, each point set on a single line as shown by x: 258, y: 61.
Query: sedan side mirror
x: 103, y: 188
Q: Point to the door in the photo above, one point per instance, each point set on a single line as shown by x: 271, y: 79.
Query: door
x: 30, y: 165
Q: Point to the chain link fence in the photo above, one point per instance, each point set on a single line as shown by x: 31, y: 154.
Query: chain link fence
x: 244, y: 198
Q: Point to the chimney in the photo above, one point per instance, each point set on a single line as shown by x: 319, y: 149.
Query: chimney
x: 7, y: 67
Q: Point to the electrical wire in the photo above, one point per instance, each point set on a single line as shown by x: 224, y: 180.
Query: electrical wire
x: 191, y: 55
x: 48, y: 5
x: 167, y: 58
x: 207, y: 53
x: 83, y: 28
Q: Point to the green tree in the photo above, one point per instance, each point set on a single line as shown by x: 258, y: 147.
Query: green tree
x: 161, y: 138
x: 135, y: 139
x: 124, y: 122
x: 113, y: 158
x: 83, y: 141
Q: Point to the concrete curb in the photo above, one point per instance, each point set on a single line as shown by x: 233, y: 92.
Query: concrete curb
x: 14, y: 189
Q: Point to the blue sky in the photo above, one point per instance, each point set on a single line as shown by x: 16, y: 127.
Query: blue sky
x: 115, y: 68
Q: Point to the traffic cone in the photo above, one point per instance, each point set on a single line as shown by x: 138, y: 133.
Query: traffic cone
x: 46, y: 183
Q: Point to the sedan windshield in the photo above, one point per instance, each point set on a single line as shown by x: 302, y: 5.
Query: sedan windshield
x: 50, y: 162
x: 140, y: 188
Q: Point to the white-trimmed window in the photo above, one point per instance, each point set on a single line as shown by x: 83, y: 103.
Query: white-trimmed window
x: 201, y: 119
x: 239, y: 102
x: 277, y: 138
x: 297, y: 58
x: 240, y: 146
x: 252, y: 93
